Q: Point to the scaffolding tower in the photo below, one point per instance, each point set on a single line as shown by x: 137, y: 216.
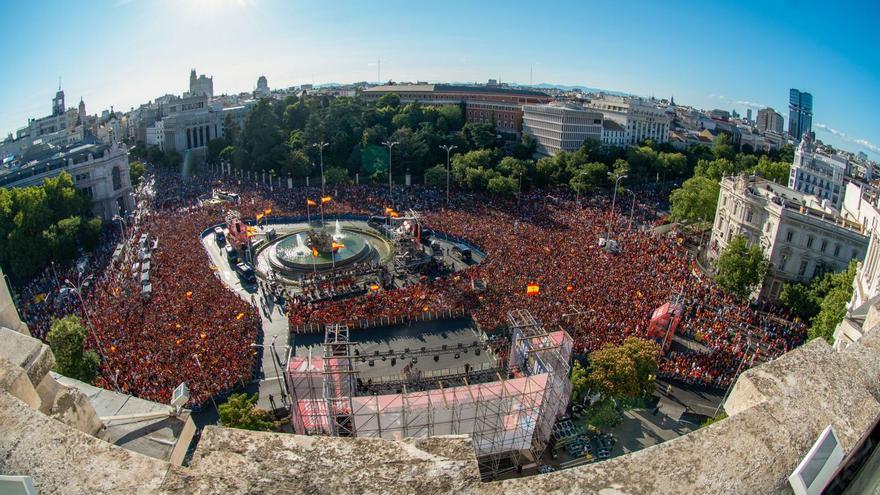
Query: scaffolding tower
x: 535, y: 353
x: 339, y: 380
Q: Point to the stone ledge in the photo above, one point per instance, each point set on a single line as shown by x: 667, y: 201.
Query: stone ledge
x: 27, y: 352
x: 236, y: 461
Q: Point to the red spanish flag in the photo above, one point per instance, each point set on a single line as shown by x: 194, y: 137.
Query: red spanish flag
x: 260, y: 216
x: 239, y: 316
x: 337, y: 245
x: 311, y: 203
x: 326, y: 199
x: 268, y: 211
x: 533, y: 289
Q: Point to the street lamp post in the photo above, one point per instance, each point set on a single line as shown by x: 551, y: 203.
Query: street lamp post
x: 632, y: 208
x: 448, y: 148
x: 390, y: 144
x: 613, y: 199
x: 117, y: 218
x: 278, y: 375
x: 77, y: 289
x: 320, y: 147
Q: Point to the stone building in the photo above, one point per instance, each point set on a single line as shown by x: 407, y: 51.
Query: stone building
x: 641, y: 119
x: 818, y: 173
x: 99, y: 170
x: 799, y: 237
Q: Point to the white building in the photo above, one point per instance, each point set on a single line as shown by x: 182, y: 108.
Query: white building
x: 640, y: 118
x: 816, y: 173
x: 561, y: 126
x: 99, y: 170
x: 799, y: 237
x: 866, y: 285
x: 155, y: 135
x: 613, y: 133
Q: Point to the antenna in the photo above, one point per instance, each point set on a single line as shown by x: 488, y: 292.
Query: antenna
x: 59, y: 83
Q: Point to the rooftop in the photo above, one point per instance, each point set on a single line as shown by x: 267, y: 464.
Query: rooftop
x: 452, y: 88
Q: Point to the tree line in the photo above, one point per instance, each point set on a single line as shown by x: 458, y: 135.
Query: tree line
x: 39, y: 224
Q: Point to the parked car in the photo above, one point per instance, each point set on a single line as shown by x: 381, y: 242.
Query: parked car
x: 219, y: 236
x: 246, y: 273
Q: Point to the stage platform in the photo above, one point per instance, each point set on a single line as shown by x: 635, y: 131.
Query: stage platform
x: 430, y: 335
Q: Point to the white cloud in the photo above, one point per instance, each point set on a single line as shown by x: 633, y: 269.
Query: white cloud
x: 751, y: 104
x: 846, y: 137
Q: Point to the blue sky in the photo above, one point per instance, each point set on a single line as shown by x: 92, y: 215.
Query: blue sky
x: 708, y: 54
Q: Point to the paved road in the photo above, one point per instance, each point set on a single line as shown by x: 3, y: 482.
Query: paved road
x: 276, y: 329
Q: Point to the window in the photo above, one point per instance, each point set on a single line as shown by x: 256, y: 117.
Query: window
x: 802, y: 269
x: 117, y: 178
x: 837, y: 250
x: 823, y: 246
x: 810, y: 242
x: 749, y: 216
x: 789, y: 235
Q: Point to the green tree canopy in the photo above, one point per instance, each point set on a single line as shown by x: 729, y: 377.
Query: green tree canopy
x: 503, y: 186
x: 136, y: 170
x: 800, y: 299
x: 625, y: 371
x: 240, y: 411
x: 833, y: 306
x: 695, y: 200
x: 67, y: 338
x: 337, y: 175
x: 436, y: 176
x: 740, y: 268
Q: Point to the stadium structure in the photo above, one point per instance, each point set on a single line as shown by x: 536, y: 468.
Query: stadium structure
x: 507, y: 402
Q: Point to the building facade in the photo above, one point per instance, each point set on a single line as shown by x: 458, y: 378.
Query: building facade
x: 769, y: 120
x: 561, y: 126
x: 101, y: 171
x: 613, y: 133
x: 800, y: 239
x: 639, y: 118
x: 201, y: 85
x: 483, y: 104
x: 262, y: 87
x: 800, y: 113
x: 816, y: 173
x: 866, y: 284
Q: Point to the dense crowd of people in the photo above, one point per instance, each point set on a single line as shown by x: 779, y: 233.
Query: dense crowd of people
x: 194, y: 329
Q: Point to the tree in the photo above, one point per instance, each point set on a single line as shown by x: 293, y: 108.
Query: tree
x: 833, y: 306
x: 67, y: 338
x: 775, y: 171
x: 479, y: 135
x: 588, y: 178
x: 741, y: 268
x: 389, y: 100
x: 503, y: 186
x: 240, y: 411
x: 625, y: 371
x: 580, y: 386
x: 695, y: 200
x: 436, y: 176
x: 136, y: 170
x: 215, y: 146
x: 337, y: 175
x: 800, y: 299
x: 723, y: 147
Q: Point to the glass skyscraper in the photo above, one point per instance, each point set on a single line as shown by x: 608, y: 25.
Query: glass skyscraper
x: 800, y: 113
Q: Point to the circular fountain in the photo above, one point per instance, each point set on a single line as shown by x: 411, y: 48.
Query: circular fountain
x: 320, y: 249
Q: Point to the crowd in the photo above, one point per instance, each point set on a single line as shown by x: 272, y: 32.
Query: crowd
x: 193, y: 329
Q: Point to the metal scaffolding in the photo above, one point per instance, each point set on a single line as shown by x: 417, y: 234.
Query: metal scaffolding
x: 508, y: 410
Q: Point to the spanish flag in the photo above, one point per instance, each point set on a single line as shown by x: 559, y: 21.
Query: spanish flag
x: 337, y: 245
x: 326, y: 199
x: 314, y: 252
x: 260, y: 216
x: 374, y: 287
x: 394, y: 214
x: 189, y: 294
x: 533, y: 289
x: 239, y: 316
x: 388, y: 211
x: 309, y: 202
x: 268, y: 211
